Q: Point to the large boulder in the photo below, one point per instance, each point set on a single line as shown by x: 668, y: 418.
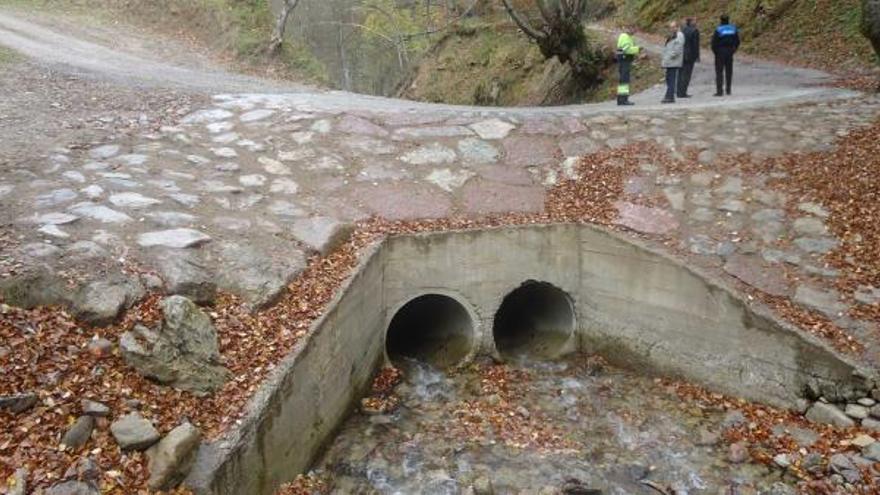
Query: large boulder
x: 173, y: 457
x: 32, y: 289
x: 871, y: 22
x: 182, y: 352
x: 186, y: 275
x: 101, y: 302
x: 256, y: 276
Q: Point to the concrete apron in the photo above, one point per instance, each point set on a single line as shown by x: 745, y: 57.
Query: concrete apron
x: 638, y: 308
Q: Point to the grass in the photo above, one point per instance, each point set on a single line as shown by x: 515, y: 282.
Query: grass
x: 7, y: 56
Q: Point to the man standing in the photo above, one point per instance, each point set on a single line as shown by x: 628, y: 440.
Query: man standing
x: 673, y: 59
x: 725, y: 42
x: 691, y: 56
x: 626, y: 53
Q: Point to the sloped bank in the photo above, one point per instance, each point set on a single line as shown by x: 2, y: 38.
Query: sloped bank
x: 639, y: 308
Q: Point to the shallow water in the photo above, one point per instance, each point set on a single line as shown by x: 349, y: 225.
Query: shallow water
x: 531, y: 428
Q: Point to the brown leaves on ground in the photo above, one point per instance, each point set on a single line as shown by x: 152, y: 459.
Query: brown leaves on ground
x: 45, y: 350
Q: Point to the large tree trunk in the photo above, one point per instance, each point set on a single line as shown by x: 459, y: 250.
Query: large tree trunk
x: 871, y: 23
x: 281, y: 25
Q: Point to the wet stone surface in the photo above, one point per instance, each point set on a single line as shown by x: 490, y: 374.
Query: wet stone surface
x: 545, y: 423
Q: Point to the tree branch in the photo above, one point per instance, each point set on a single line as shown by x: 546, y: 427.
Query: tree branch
x: 522, y: 23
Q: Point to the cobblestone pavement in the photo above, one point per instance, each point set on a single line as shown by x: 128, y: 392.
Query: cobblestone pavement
x: 242, y: 190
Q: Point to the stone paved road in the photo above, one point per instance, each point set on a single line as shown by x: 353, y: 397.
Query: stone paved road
x: 238, y: 192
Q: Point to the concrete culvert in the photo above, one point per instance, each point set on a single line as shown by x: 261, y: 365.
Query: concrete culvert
x: 433, y: 329
x: 535, y: 320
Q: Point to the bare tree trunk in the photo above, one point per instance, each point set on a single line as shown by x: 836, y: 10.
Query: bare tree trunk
x: 281, y: 25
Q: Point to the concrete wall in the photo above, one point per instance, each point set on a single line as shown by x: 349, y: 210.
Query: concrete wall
x: 638, y: 308
x: 310, y: 394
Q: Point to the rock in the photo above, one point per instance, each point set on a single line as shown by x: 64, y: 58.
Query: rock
x: 826, y: 302
x: 871, y: 424
x: 187, y: 275
x: 861, y: 441
x: 255, y: 276
x: 870, y: 25
x: 875, y: 411
x: 645, y: 219
x: 810, y: 226
x: 706, y: 438
x: 101, y: 302
x: 782, y: 460
x: 100, y: 347
x: 816, y: 245
x: 432, y: 154
x: 872, y: 452
x: 856, y: 411
x: 707, y: 157
x: 732, y: 205
x: 94, y: 409
x: 73, y: 488
x: 98, y: 212
x: 733, y: 418
x: 492, y: 129
x: 171, y: 459
x: 207, y: 116
x: 17, y: 483
x: 824, y: 413
x: 731, y: 186
x: 133, y: 432
x: 813, y: 209
x: 174, y: 238
x: 474, y: 150
x: 738, y: 453
x: 182, y: 353
x: 85, y: 470
x: 844, y: 466
x: 54, y: 198
x: 483, y: 486
x: 132, y: 200
x: 79, y: 433
x: 867, y: 294
x: 675, y: 197
x: 321, y: 233
x: 104, y: 152
x: 18, y: 403
x: 34, y: 288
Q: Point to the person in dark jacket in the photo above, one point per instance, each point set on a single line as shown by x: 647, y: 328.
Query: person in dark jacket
x: 691, y: 55
x: 725, y: 42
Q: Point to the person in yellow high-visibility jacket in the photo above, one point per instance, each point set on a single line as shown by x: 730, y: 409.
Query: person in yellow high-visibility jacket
x: 627, y: 50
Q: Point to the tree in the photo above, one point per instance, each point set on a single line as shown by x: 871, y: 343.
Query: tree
x: 281, y: 25
x: 871, y: 23
x: 560, y: 33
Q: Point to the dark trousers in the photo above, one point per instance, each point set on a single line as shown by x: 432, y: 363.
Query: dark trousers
x: 624, y: 65
x: 684, y: 78
x: 723, y: 71
x: 671, y: 80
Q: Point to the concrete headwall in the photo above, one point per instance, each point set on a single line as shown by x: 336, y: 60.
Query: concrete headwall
x: 638, y: 308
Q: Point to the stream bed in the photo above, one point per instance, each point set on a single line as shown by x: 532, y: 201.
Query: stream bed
x: 570, y: 426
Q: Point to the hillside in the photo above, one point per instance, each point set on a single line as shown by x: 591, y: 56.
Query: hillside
x: 818, y: 33
x: 494, y: 64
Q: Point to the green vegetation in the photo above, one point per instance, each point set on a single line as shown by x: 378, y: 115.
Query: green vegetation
x: 7, y: 56
x: 495, y: 64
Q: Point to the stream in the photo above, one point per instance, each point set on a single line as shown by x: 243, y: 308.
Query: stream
x: 570, y: 426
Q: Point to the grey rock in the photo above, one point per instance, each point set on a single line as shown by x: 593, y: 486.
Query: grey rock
x: 183, y: 353
x: 54, y: 198
x: 133, y: 432
x: 776, y: 256
x: 101, y: 302
x: 844, y: 466
x: 79, y: 432
x: 171, y: 459
x: 824, y: 413
x: 132, y: 200
x: 872, y: 452
x: 856, y: 411
x: 732, y: 205
x: 474, y: 150
x: 816, y: 245
x: 321, y: 233
x: 174, y: 238
x: 259, y: 278
x: 814, y: 209
x: 171, y: 218
x: 810, y: 226
x: 866, y: 401
x: 187, y: 275
x: 432, y: 154
x: 826, y: 302
x: 73, y: 487
x: 86, y: 250
x: 483, y: 486
x: 104, y: 152
x: 98, y: 212
x: 707, y: 157
x: 871, y: 424
x: 207, y: 116
x: 702, y: 179
x: 18, y: 403
x: 675, y: 197
x: 732, y: 186
x: 32, y: 289
x: 492, y: 129
x: 95, y: 409
x: 782, y: 460
x: 733, y: 418
x: 867, y: 294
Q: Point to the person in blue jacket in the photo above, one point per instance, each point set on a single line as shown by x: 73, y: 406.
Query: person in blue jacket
x: 725, y: 42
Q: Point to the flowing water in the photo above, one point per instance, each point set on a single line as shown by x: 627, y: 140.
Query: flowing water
x: 537, y: 428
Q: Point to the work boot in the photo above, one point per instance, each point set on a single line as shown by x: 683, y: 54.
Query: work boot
x: 623, y: 101
x: 665, y: 100
x: 719, y: 94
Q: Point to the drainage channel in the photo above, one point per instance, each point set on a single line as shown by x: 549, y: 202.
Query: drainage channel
x: 492, y: 328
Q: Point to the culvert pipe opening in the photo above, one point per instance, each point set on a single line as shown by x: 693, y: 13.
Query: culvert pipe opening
x: 433, y: 329
x: 534, y: 320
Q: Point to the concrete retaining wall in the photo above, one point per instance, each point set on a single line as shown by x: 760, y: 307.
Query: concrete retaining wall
x: 638, y: 308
